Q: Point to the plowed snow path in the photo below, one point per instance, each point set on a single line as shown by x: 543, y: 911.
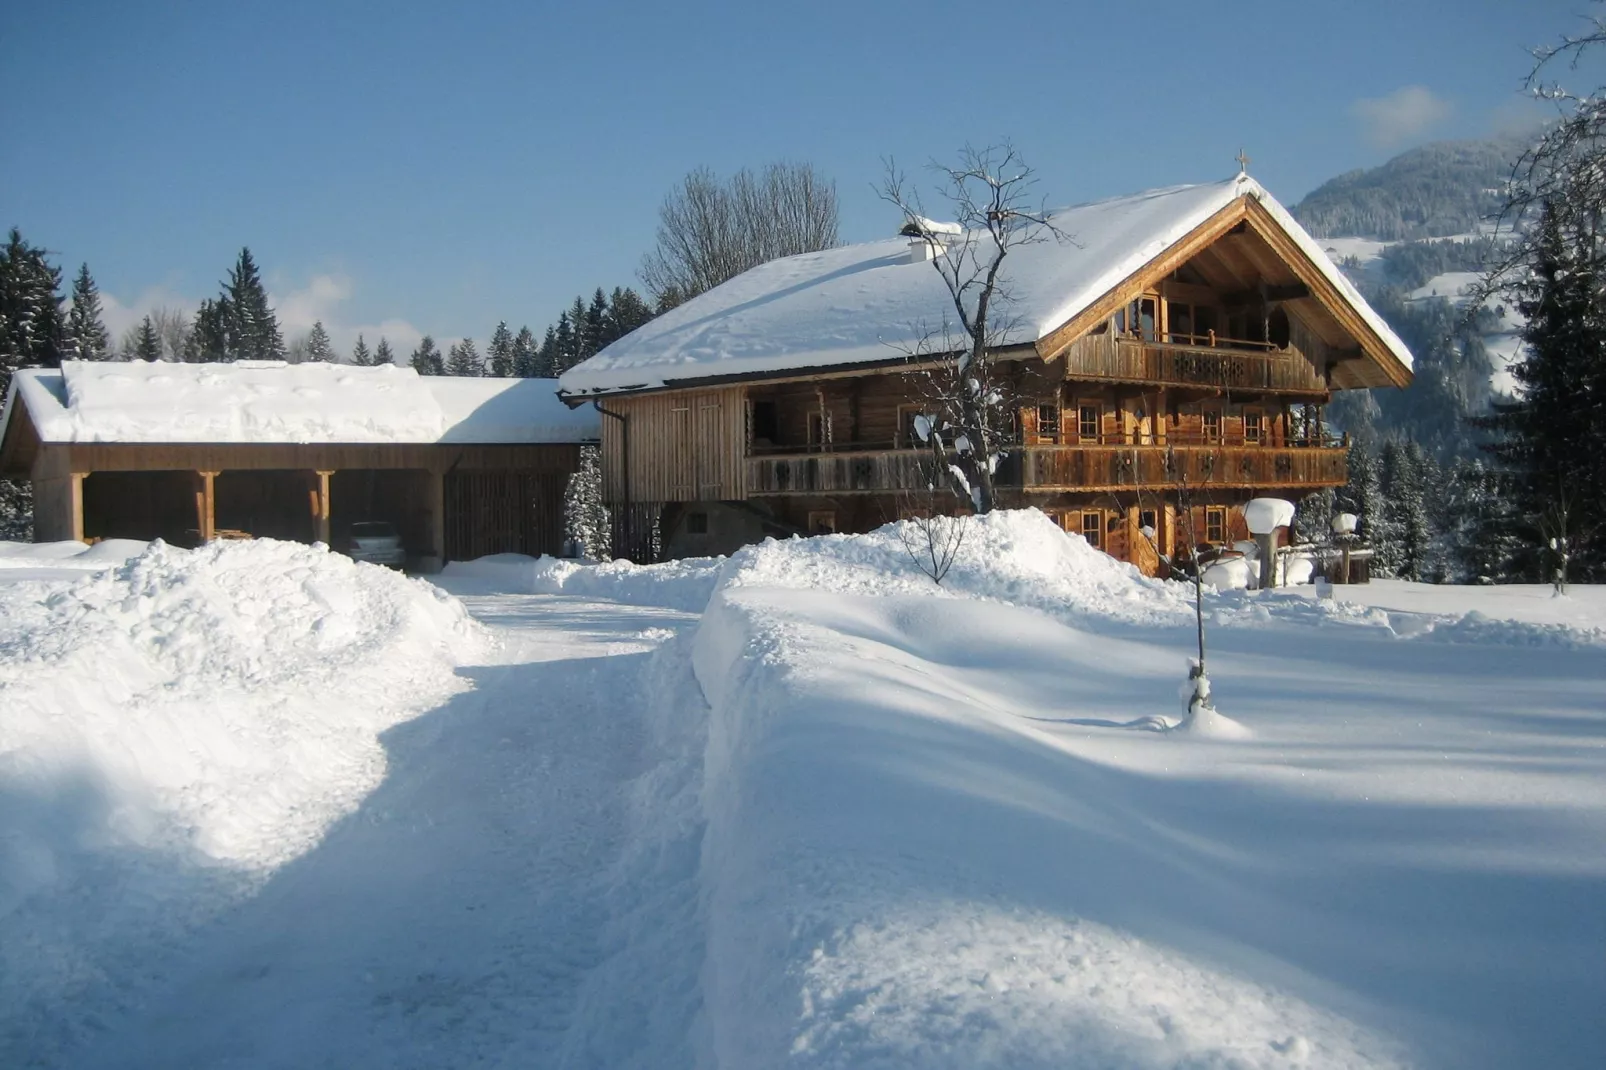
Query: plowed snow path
x: 452, y: 920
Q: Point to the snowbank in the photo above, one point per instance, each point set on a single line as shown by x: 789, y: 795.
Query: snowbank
x: 178, y: 726
x: 69, y: 554
x: 683, y: 585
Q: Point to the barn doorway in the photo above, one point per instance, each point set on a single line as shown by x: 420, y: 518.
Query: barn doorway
x: 503, y: 512
x: 142, y: 505
x: 265, y: 504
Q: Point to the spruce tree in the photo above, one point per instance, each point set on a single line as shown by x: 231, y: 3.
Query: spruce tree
x: 500, y: 351
x: 546, y: 361
x: 208, y: 341
x: 1553, y: 437
x: 427, y: 359
x: 524, y: 354
x: 585, y: 515
x: 148, y: 345
x: 319, y: 348
x: 86, y: 333
x: 626, y: 312
x: 383, y: 355
x: 465, y: 359
x: 253, y: 329
x: 32, y: 326
x: 360, y: 355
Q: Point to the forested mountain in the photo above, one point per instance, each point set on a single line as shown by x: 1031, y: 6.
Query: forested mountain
x: 1441, y: 189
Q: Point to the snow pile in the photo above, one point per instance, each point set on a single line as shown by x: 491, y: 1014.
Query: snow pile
x: 1016, y: 556
x: 683, y: 585
x: 69, y: 555
x: 178, y: 726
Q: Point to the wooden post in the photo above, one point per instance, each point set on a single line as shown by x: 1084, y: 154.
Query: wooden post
x: 75, y: 504
x: 206, y: 507
x: 320, y: 507
x: 436, y: 497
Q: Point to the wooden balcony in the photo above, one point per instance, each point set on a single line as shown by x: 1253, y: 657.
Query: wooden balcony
x: 1095, y: 467
x: 1221, y: 367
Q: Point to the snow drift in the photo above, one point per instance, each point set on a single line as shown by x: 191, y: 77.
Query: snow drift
x: 178, y: 726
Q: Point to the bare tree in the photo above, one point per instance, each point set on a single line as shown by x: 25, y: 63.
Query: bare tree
x: 709, y: 231
x: 931, y: 536
x: 173, y: 328
x: 968, y: 410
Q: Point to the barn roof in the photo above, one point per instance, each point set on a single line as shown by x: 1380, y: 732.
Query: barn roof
x: 275, y: 402
x: 870, y: 303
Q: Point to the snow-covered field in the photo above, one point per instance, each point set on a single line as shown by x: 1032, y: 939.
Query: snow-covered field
x: 798, y: 808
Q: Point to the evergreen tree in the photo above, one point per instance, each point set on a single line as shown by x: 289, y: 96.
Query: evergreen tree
x: 148, y: 345
x: 1403, y: 545
x: 595, y: 327
x: 1363, y: 496
x: 500, y: 351
x: 360, y: 355
x: 383, y: 355
x: 586, y: 518
x: 1483, y: 534
x: 319, y: 347
x: 626, y: 312
x: 546, y: 363
x: 208, y: 341
x: 252, y: 328
x: 86, y: 333
x: 32, y: 326
x: 427, y: 359
x: 524, y: 354
x: 1553, y: 437
x: 464, y: 359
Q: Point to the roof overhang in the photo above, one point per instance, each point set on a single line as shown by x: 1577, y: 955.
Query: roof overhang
x: 1381, y: 357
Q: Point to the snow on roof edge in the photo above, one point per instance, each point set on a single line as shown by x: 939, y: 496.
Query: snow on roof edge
x: 448, y: 411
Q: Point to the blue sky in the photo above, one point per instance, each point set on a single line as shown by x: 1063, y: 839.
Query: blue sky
x: 440, y: 167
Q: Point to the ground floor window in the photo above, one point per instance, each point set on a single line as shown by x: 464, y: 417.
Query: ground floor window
x: 1215, y: 524
x: 1092, y: 528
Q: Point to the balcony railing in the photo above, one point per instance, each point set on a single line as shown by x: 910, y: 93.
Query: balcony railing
x: 1100, y: 466
x: 1224, y: 367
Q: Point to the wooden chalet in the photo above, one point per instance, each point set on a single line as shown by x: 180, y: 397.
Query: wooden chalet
x: 192, y: 452
x: 1193, y: 333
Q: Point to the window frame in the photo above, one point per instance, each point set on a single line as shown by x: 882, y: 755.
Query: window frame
x: 1216, y: 516
x: 1093, y: 522
x: 1082, y: 409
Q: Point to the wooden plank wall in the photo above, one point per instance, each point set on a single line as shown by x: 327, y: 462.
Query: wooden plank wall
x: 503, y: 512
x: 684, y: 446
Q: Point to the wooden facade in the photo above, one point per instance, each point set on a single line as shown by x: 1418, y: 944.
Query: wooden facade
x: 1209, y: 368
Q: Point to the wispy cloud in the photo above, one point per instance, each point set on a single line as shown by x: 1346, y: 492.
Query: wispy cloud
x: 1400, y: 116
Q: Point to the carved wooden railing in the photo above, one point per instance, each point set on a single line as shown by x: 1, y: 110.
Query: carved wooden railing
x: 1078, y: 467
x: 1225, y: 368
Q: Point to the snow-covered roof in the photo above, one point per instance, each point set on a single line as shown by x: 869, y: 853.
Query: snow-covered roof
x: 871, y: 302
x: 271, y: 401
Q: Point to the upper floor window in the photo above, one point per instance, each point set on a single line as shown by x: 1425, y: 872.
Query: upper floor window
x: 1254, y: 428
x: 1048, y: 421
x: 766, y: 423
x: 1212, y: 425
x: 1087, y: 422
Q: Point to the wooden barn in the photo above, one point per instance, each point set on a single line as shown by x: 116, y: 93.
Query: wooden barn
x: 1191, y: 335
x: 461, y: 467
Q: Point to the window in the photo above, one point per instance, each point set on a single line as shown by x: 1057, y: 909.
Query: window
x: 1087, y: 422
x: 697, y: 523
x: 1254, y: 428
x: 1204, y: 323
x: 819, y: 428
x: 1212, y: 425
x: 1148, y: 318
x: 1146, y: 520
x: 1180, y: 320
x: 1048, y: 421
x: 1215, y: 524
x: 1092, y: 528
x: 766, y: 423
x: 822, y: 522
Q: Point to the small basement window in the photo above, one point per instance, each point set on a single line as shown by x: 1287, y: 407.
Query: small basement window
x: 822, y: 522
x: 1092, y: 528
x: 697, y: 523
